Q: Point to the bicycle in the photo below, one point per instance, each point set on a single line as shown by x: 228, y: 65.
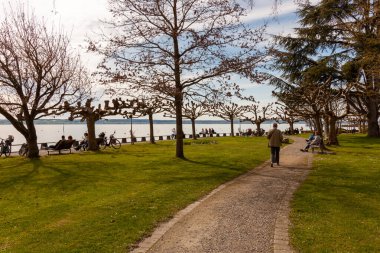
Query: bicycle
x: 6, y: 146
x: 113, y: 142
x: 24, y: 150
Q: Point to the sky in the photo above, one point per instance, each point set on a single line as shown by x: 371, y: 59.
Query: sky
x: 81, y: 19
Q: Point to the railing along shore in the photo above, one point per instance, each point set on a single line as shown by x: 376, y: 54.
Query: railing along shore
x: 129, y: 140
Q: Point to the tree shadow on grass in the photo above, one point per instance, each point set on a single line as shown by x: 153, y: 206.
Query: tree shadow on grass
x: 60, y: 174
x: 230, y: 165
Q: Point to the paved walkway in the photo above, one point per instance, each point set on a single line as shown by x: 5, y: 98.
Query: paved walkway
x: 248, y: 214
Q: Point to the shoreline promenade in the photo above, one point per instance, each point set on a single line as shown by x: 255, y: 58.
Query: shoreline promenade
x: 247, y: 214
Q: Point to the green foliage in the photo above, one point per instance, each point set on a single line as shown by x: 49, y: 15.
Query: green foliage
x: 337, y: 208
x: 106, y: 201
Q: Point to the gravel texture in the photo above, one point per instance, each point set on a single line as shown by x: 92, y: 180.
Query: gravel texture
x: 248, y: 214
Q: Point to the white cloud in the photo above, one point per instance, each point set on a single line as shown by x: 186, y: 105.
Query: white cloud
x: 80, y: 18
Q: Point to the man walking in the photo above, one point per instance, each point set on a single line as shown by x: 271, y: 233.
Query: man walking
x: 275, y: 140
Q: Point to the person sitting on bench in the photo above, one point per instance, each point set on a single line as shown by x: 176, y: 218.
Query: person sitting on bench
x: 58, y: 143
x: 84, y: 143
x: 314, y: 142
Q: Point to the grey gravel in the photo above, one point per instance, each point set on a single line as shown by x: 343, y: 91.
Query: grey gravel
x: 241, y: 216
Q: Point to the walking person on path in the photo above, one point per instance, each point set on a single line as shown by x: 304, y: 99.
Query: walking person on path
x: 275, y: 140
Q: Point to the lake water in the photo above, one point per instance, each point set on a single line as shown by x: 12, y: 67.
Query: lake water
x: 52, y: 132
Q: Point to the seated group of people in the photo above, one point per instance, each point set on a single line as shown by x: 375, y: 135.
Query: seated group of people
x: 62, y: 143
x: 207, y: 131
x: 250, y: 132
x: 295, y: 131
x: 313, y: 140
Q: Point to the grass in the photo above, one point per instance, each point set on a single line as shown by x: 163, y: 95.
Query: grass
x: 337, y: 209
x: 107, y: 201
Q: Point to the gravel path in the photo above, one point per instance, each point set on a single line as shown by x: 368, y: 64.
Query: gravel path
x: 248, y: 214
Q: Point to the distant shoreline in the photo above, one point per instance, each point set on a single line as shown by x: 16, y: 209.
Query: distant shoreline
x: 128, y: 121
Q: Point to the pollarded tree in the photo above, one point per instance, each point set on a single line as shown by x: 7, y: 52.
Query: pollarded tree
x: 228, y: 111
x: 192, y: 110
x: 38, y: 72
x: 91, y: 114
x: 181, y: 43
x: 286, y: 114
x: 258, y: 114
x: 148, y: 106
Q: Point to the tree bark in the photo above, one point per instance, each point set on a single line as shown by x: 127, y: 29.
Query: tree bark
x: 318, y: 125
x: 178, y: 98
x: 193, y: 128
x: 372, y: 118
x: 31, y: 139
x: 151, y: 129
x: 332, y: 135
x: 232, y: 126
x: 291, y: 127
x: 258, y: 127
x: 92, y: 145
x: 326, y: 123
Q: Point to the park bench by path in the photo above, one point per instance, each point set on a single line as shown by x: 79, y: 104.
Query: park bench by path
x: 317, y: 146
x: 63, y: 146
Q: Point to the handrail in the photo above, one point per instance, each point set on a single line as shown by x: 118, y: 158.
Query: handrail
x: 156, y: 138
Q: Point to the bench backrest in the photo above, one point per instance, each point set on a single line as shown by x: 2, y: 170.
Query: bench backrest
x: 67, y: 144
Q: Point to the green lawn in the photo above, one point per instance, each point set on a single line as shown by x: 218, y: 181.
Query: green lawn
x: 107, y: 201
x: 337, y: 209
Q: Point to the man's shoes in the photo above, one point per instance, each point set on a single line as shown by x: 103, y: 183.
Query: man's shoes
x: 303, y: 150
x: 271, y: 164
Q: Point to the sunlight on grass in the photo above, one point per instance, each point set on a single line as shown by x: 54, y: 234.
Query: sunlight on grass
x: 106, y: 201
x: 337, y: 209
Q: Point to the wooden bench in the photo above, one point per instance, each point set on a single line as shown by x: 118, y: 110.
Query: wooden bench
x: 317, y: 146
x: 63, y: 146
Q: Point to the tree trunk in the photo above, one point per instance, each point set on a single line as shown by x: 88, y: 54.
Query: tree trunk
x: 31, y: 139
x: 178, y: 97
x: 151, y: 130
x: 232, y: 126
x: 179, y: 137
x: 333, y: 136
x: 291, y: 127
x: 318, y: 125
x: 326, y: 123
x: 193, y: 128
x: 92, y: 145
x: 319, y: 128
x: 372, y: 118
x: 258, y: 128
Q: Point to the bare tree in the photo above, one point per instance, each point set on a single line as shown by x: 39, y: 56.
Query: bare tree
x: 148, y: 106
x: 192, y: 110
x: 90, y: 114
x: 257, y: 114
x: 38, y: 72
x: 286, y: 114
x: 335, y: 110
x: 229, y: 111
x: 181, y: 43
